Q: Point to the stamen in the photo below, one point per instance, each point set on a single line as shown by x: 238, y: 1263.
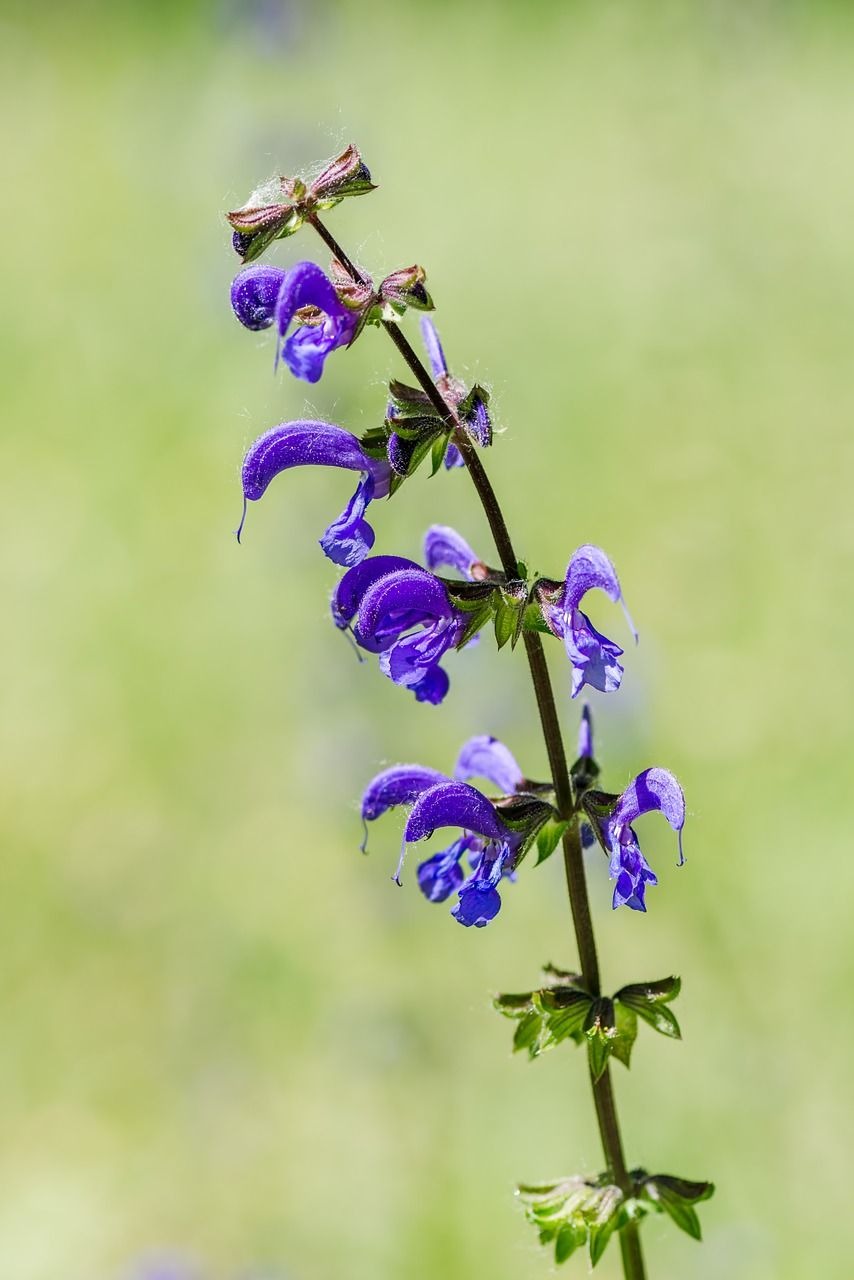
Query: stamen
x: 398, y: 870
x: 628, y: 617
x: 239, y: 528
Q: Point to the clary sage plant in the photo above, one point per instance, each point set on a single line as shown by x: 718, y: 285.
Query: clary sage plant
x: 412, y: 617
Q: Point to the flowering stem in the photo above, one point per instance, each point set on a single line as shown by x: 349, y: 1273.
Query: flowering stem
x: 603, y: 1095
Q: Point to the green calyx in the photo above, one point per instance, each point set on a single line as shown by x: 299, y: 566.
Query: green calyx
x: 573, y: 1212
x: 564, y: 1010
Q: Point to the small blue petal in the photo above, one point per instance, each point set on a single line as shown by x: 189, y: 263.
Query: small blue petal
x: 442, y: 875
x: 478, y: 904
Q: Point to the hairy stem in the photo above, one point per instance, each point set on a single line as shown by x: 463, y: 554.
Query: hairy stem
x: 576, y: 881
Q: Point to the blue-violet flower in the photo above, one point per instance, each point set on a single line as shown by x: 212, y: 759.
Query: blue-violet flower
x: 594, y: 658
x: 304, y: 443
x: 395, y: 608
x: 653, y: 789
x: 263, y: 294
x: 485, y: 842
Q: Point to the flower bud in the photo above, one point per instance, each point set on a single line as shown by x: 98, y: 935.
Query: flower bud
x: 405, y: 288
x: 346, y: 175
x: 257, y: 226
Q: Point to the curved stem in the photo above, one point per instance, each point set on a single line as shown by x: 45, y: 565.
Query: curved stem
x: 603, y: 1095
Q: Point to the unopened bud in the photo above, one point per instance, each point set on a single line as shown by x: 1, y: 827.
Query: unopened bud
x: 346, y: 175
x: 405, y: 288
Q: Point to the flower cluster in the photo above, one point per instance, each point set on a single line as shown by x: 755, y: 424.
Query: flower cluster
x: 410, y: 615
x: 491, y: 846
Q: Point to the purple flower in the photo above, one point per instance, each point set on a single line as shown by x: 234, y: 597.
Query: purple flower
x: 594, y: 658
x: 456, y: 804
x: 485, y: 842
x: 444, y: 546
x: 654, y: 789
x: 261, y: 294
x: 402, y: 612
x: 305, y: 351
x: 475, y: 415
x: 297, y: 444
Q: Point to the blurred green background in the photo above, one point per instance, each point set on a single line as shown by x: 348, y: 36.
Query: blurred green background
x: 224, y: 1033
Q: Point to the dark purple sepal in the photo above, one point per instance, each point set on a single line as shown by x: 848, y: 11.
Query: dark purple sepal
x: 473, y: 411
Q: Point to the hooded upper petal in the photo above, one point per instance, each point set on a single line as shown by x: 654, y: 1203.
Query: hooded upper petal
x: 486, y: 757
x: 306, y: 349
x: 348, y: 594
x: 589, y: 567
x: 454, y: 804
x: 404, y: 592
x: 444, y: 546
x: 653, y: 789
x: 307, y: 443
x: 306, y: 285
x: 400, y: 784
x: 403, y: 614
x: 299, y: 444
